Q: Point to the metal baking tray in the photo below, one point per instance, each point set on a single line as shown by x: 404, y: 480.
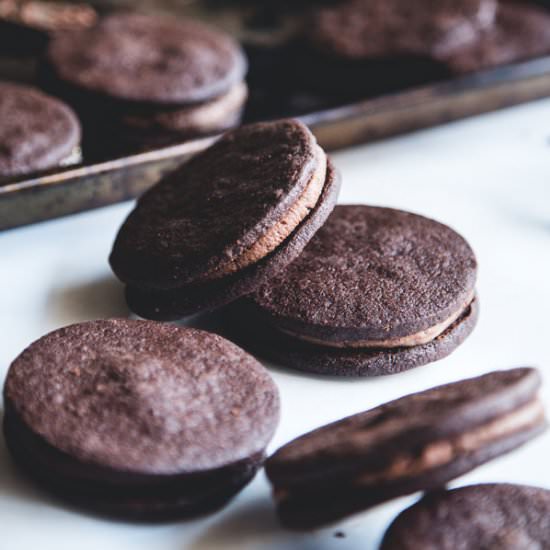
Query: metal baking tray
x: 65, y: 191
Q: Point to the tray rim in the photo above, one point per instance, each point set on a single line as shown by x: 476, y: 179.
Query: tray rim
x: 404, y: 99
x: 69, y: 190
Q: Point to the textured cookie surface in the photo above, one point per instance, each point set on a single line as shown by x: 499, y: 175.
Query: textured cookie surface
x: 216, y: 207
x: 36, y: 131
x: 416, y: 443
x: 371, y: 273
x: 145, y: 398
x: 503, y: 516
x: 521, y: 31
x: 363, y: 30
x: 174, y: 304
x: 142, y: 58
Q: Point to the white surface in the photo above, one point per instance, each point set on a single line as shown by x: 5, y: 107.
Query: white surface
x: 487, y: 177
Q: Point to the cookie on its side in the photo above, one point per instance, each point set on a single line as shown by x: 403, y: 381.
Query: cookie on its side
x: 143, y: 81
x: 419, y: 442
x: 225, y: 222
x: 376, y: 291
x: 37, y: 131
x: 503, y: 516
x: 138, y: 419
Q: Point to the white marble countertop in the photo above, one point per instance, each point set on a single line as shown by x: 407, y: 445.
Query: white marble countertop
x: 487, y: 177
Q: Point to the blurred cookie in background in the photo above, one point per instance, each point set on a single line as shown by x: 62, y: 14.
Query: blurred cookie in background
x: 148, y: 81
x: 26, y: 26
x: 37, y: 131
x: 521, y: 31
x: 367, y: 47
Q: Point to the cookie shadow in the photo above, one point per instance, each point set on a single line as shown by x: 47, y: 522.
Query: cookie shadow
x: 248, y: 527
x: 255, y: 525
x: 96, y: 299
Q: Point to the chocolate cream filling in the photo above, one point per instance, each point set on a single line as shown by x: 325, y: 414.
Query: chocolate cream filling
x: 209, y: 116
x: 441, y: 453
x: 279, y: 232
x: 417, y: 339
x: 75, y: 157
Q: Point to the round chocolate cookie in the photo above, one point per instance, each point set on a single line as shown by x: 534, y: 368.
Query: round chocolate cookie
x: 226, y: 221
x: 148, y: 59
x: 376, y: 291
x: 521, y: 31
x: 386, y: 28
x: 374, y: 47
x: 146, y: 81
x: 503, y: 516
x: 139, y: 419
x: 36, y: 131
x: 418, y: 442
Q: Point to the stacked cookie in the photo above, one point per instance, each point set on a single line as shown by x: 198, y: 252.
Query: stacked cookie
x: 147, y: 81
x: 361, y: 291
x: 376, y: 291
x: 370, y: 46
x: 226, y: 222
x: 139, y: 420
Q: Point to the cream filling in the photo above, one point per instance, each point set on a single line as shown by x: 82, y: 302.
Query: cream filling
x: 417, y: 339
x: 277, y: 234
x: 206, y: 116
x: 441, y: 453
x: 74, y: 157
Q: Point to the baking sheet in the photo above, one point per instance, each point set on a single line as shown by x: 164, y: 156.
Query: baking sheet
x: 36, y: 198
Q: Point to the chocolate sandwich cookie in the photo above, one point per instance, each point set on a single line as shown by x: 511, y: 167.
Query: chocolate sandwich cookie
x: 138, y: 419
x: 362, y: 47
x: 521, y: 32
x: 225, y: 222
x: 503, y: 516
x: 418, y: 442
x: 149, y: 79
x: 376, y: 291
x: 36, y: 131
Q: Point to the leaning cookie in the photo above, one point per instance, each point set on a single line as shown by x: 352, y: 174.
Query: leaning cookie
x: 376, y: 291
x: 37, y: 132
x: 142, y: 81
x: 419, y: 442
x: 226, y: 222
x: 503, y: 516
x: 137, y: 419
